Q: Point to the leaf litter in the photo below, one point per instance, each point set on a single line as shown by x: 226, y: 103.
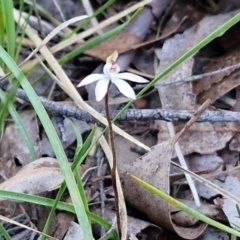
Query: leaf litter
x: 209, y: 149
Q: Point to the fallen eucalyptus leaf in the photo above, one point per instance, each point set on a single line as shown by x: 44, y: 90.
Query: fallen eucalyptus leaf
x: 36, y: 177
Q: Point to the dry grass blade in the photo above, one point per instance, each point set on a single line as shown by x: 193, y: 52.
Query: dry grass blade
x: 89, y: 10
x: 53, y: 33
x: 183, y: 163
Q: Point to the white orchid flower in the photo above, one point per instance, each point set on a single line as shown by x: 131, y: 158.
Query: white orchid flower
x: 111, y: 74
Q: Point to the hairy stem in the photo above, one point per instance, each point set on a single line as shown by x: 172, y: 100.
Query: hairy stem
x: 114, y: 168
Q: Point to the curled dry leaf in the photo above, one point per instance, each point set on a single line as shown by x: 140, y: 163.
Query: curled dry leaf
x: 36, y: 177
x: 153, y: 168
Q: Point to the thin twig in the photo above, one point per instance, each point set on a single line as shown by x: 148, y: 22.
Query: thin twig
x: 193, y: 119
x: 201, y: 76
x: 56, y: 108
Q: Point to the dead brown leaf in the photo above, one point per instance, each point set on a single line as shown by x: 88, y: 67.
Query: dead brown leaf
x: 183, y: 9
x: 14, y: 151
x: 13, y: 140
x: 181, y: 96
x: 36, y: 177
x: 153, y: 168
x: 232, y: 185
x: 60, y: 224
x: 166, y: 34
x: 228, y: 59
x: 74, y: 232
x: 203, y: 138
x: 219, y: 89
x: 122, y: 42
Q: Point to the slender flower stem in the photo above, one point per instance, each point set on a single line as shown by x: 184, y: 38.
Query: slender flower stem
x: 114, y: 168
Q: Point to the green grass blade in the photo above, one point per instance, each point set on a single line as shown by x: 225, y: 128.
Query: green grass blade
x: 81, y: 188
x: 78, y: 135
x: 23, y: 32
x: 4, y: 108
x: 54, y: 141
x: 20, y: 125
x: 82, y: 153
x: 2, y: 29
x: 10, y: 26
x: 185, y: 208
x: 22, y: 197
x: 81, y: 156
x: 4, y: 232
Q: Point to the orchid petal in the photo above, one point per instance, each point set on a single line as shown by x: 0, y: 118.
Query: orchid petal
x: 106, y: 69
x: 90, y: 79
x: 132, y: 77
x: 101, y: 88
x: 124, y: 88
